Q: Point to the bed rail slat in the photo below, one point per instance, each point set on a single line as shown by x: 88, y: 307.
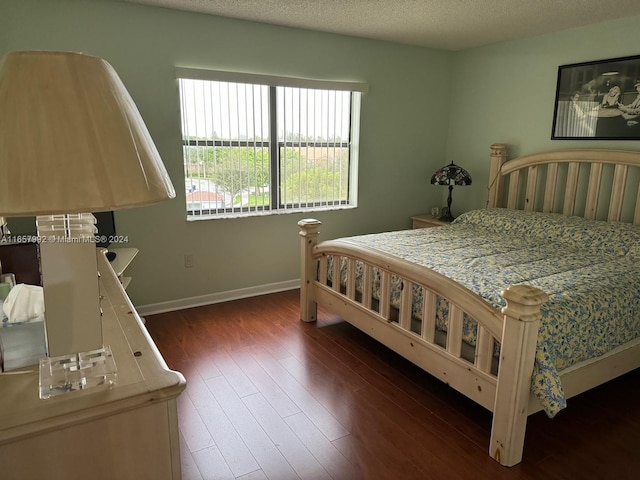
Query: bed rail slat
x: 429, y: 316
x: 335, y: 273
x: 385, y: 293
x: 322, y: 274
x: 351, y: 278
x: 550, y: 187
x: 367, y: 288
x: 454, y: 331
x: 571, y: 188
x: 512, y: 198
x: 593, y: 191
x: 484, y: 350
x: 406, y: 299
x: 617, y: 192
x: 532, y: 182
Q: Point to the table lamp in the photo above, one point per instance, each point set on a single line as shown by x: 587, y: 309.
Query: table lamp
x: 4, y: 232
x: 72, y: 141
x: 450, y: 175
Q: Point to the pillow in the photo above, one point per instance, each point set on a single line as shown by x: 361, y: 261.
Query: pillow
x: 612, y: 238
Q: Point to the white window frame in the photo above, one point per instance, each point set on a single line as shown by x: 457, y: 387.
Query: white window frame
x: 356, y: 89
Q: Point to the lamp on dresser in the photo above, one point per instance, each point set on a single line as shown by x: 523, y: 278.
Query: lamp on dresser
x: 72, y: 141
x: 450, y: 175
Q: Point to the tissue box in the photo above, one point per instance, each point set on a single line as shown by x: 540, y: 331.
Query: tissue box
x: 22, y: 344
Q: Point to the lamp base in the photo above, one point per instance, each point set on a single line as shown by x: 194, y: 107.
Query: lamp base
x: 77, y: 371
x: 446, y: 216
x: 69, y: 271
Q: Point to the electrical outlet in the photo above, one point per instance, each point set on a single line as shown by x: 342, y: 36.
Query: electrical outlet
x: 188, y: 260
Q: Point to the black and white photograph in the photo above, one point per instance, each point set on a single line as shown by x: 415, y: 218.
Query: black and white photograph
x: 598, y: 100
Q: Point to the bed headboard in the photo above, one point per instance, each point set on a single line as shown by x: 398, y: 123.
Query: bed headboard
x: 595, y: 184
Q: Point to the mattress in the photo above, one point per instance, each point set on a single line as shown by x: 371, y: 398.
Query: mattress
x: 589, y: 269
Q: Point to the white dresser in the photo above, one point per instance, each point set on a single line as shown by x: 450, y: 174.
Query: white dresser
x: 129, y: 431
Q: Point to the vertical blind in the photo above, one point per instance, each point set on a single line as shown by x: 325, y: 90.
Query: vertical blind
x: 225, y: 144
x: 313, y: 136
x: 252, y: 148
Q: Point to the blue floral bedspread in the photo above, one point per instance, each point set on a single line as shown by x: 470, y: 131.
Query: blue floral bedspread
x: 589, y: 269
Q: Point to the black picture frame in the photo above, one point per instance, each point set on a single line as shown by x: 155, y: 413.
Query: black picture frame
x: 598, y: 100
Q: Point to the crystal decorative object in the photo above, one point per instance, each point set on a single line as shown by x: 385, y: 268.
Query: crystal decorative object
x: 79, y: 371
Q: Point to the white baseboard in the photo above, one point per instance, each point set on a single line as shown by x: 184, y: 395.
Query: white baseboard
x: 219, y: 297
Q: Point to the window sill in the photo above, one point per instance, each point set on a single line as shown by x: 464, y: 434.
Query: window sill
x: 226, y: 216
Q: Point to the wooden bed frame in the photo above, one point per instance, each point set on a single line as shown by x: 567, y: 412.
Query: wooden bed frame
x: 530, y: 182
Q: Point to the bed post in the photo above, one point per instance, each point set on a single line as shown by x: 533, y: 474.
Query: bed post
x: 498, y: 157
x: 518, y: 348
x: 309, y: 231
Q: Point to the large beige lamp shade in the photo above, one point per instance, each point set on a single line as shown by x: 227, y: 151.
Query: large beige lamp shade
x: 72, y: 139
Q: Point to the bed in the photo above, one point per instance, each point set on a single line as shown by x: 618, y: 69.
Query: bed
x: 509, y: 338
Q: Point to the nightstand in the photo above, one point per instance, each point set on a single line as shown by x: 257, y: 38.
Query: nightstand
x: 426, y: 221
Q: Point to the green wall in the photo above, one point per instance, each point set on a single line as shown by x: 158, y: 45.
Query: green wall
x: 404, y: 124
x: 425, y: 107
x: 505, y: 93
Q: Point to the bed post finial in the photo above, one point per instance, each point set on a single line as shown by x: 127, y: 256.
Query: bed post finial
x: 309, y: 231
x: 517, y: 354
x: 498, y: 157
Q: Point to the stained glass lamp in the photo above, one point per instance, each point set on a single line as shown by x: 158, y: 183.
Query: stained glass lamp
x: 450, y: 175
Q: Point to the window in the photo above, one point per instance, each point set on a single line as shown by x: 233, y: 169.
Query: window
x: 258, y: 144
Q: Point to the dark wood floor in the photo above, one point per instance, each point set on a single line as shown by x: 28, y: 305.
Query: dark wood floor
x: 271, y: 397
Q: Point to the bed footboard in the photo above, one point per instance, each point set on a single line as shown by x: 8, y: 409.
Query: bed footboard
x: 470, y: 369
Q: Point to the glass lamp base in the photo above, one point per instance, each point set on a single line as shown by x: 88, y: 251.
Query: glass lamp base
x: 445, y: 215
x: 77, y: 371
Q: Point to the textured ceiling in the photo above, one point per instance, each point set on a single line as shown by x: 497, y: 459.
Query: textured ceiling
x: 445, y: 24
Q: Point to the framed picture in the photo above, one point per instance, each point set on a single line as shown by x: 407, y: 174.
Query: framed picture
x: 598, y: 100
